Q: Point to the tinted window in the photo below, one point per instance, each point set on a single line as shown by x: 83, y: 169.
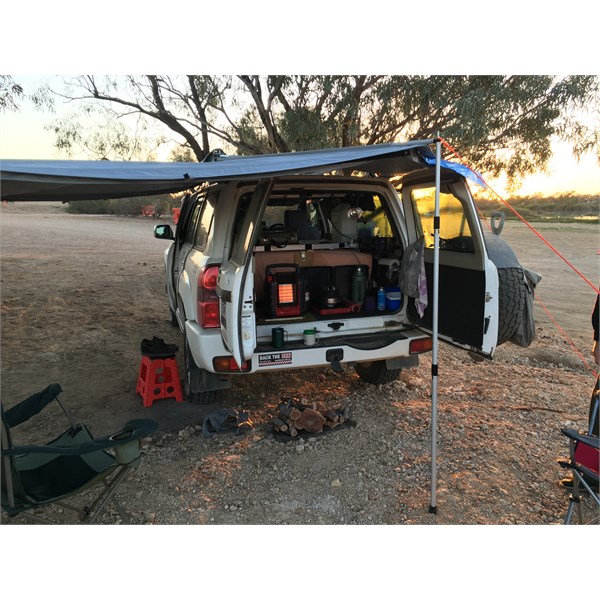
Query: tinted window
x: 206, y: 219
x: 190, y: 234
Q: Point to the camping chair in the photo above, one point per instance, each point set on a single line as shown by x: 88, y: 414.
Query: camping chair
x: 35, y: 476
x: 584, y: 457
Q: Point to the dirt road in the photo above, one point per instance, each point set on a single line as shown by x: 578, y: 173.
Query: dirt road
x: 79, y: 293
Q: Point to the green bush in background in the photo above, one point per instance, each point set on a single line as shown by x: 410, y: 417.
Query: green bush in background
x: 162, y: 205
x: 566, y: 208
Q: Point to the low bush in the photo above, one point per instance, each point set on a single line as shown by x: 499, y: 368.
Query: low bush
x: 565, y: 208
x: 126, y: 206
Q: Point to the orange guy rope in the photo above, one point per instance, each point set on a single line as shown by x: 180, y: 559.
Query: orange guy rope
x: 520, y: 217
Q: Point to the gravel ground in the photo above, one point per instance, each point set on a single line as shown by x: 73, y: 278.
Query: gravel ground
x: 87, y: 302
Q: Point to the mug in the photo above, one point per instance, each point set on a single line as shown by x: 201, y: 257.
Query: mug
x: 277, y: 336
x: 310, y: 337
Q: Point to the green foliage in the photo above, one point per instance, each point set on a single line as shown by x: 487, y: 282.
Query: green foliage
x: 501, y: 124
x: 102, y: 136
x: 181, y: 154
x: 125, y: 206
x: 12, y: 94
x: 565, y: 208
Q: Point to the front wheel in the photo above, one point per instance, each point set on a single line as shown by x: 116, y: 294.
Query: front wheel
x: 376, y: 372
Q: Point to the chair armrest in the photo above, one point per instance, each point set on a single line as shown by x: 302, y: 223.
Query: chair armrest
x: 584, y: 438
x: 133, y: 430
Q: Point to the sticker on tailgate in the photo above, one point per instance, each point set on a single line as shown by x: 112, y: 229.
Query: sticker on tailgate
x: 274, y: 358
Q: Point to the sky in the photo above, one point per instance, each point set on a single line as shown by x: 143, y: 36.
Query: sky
x: 463, y: 37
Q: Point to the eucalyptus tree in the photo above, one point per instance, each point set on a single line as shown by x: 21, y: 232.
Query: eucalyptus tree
x: 12, y: 93
x: 502, y: 124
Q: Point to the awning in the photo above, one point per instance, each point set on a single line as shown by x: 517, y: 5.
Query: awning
x: 68, y: 180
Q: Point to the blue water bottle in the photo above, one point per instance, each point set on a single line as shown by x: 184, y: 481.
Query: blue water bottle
x: 380, y: 299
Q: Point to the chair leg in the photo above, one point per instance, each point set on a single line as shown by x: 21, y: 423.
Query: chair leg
x: 575, y: 499
x: 101, y: 501
x: 572, y: 502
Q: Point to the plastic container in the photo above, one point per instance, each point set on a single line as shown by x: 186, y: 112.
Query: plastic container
x: 310, y: 337
x: 393, y: 299
x: 370, y: 302
x: 345, y: 228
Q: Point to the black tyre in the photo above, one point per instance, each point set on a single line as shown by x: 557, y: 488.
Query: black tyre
x: 376, y: 372
x: 511, y: 303
x: 202, y: 398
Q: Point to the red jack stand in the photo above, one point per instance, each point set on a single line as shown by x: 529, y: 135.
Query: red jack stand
x: 158, y: 376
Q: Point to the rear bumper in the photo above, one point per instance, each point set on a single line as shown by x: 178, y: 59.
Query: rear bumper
x: 393, y: 345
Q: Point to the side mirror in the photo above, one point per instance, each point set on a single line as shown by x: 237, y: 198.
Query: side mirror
x: 163, y: 232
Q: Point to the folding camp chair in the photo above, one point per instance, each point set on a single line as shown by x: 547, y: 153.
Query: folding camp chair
x: 36, y: 476
x: 583, y: 462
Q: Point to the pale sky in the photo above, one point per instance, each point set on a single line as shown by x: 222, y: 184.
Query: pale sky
x: 22, y: 136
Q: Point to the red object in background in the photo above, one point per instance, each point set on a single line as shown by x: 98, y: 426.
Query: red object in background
x: 587, y: 456
x: 149, y: 210
x: 175, y: 215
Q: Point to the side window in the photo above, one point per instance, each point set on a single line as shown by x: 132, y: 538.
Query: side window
x: 206, y: 219
x: 455, y: 233
x: 187, y: 209
x: 190, y: 233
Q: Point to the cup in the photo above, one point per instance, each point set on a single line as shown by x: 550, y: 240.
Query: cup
x: 310, y: 337
x: 278, y: 336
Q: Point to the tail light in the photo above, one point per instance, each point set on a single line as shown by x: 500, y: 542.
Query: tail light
x: 227, y: 364
x: 420, y: 345
x: 208, y: 301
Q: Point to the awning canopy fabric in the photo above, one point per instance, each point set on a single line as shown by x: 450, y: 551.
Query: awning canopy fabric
x: 68, y: 180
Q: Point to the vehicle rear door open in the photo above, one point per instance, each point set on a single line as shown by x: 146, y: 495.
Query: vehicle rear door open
x: 235, y: 283
x: 468, y: 280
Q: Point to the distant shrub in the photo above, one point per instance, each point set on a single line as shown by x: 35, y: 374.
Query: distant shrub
x: 563, y: 208
x: 125, y: 206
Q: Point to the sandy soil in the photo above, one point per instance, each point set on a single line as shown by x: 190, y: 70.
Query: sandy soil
x: 79, y: 293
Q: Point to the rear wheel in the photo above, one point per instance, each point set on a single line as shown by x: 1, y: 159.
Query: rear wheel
x: 376, y: 372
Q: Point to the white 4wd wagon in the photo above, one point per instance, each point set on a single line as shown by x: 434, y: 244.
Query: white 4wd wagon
x: 298, y: 266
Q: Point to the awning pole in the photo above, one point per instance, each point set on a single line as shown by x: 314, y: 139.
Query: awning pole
x: 434, y: 356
